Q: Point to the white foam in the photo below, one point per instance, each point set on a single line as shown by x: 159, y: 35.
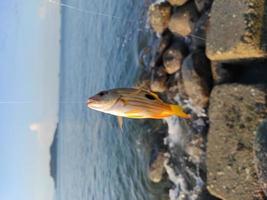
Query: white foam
x: 175, y: 135
x: 180, y: 191
x: 200, y: 112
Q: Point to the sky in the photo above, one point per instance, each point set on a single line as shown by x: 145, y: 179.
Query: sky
x: 29, y: 87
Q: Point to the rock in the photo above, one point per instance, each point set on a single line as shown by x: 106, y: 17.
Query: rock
x: 203, y: 5
x: 195, y: 150
x: 159, y: 16
x: 173, y: 57
x: 197, y: 80
x: 198, y: 36
x: 260, y: 148
x: 235, y: 112
x: 158, y: 80
x: 236, y: 30
x: 177, y: 2
x: 183, y: 19
x: 158, y: 85
x: 163, y: 44
x: 219, y: 73
x: 157, y: 170
x: 165, y: 41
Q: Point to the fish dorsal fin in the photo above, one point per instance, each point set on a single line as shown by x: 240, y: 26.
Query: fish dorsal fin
x: 143, y: 89
x: 120, y: 122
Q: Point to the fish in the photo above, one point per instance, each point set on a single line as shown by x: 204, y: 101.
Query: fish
x: 134, y: 103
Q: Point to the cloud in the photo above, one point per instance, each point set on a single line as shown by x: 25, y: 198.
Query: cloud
x: 42, y: 11
x: 44, y: 132
x: 44, y: 186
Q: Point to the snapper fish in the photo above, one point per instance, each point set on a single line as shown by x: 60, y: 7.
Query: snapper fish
x: 134, y: 103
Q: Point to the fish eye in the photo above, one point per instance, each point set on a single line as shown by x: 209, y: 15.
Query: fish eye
x: 149, y: 96
x: 102, y: 93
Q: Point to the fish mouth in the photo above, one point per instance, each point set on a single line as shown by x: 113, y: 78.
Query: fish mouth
x: 91, y: 102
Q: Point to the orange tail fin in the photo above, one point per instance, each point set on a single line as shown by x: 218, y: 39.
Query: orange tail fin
x: 178, y: 111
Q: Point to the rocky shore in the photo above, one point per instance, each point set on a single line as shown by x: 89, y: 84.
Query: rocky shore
x: 210, y: 58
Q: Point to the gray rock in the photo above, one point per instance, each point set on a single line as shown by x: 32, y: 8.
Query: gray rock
x: 198, y: 35
x: 159, y: 16
x: 183, y: 19
x: 219, y: 73
x: 173, y: 57
x: 158, y: 80
x: 158, y: 85
x: 197, y: 79
x: 203, y: 5
x: 236, y: 30
x: 163, y: 44
x: 260, y: 148
x: 177, y: 2
x: 157, y: 170
x: 235, y: 112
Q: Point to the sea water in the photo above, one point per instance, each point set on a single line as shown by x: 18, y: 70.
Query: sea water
x: 100, y: 45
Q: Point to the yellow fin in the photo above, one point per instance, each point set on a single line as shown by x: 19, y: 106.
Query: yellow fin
x: 178, y: 111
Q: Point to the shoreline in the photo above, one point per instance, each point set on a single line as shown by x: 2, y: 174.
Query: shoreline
x: 208, y: 78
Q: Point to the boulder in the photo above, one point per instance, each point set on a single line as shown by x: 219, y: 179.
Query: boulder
x: 236, y: 30
x: 177, y: 2
x: 158, y: 85
x: 197, y: 79
x: 173, y: 56
x: 203, y: 5
x: 183, y: 19
x: 156, y: 169
x: 235, y: 112
x: 158, y: 80
x: 198, y: 35
x: 159, y: 16
x: 161, y: 46
x: 220, y: 73
x: 260, y: 148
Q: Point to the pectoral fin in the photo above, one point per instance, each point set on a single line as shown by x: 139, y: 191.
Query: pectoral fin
x: 120, y: 122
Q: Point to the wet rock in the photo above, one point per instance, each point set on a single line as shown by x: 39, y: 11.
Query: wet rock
x: 173, y: 57
x: 164, y: 43
x: 220, y: 73
x: 158, y: 85
x: 195, y: 150
x: 236, y: 30
x: 260, y: 148
x: 177, y: 2
x: 235, y: 112
x: 198, y: 36
x: 183, y: 19
x: 197, y: 79
x: 159, y: 16
x: 156, y: 169
x: 158, y: 80
x: 203, y: 5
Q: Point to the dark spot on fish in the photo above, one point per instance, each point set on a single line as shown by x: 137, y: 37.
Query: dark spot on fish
x: 102, y: 93
x: 149, y: 96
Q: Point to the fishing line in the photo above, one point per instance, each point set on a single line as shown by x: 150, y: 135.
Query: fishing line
x: 32, y: 102
x: 88, y: 11
x: 103, y: 15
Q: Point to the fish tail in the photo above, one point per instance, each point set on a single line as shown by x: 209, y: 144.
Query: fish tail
x: 178, y: 111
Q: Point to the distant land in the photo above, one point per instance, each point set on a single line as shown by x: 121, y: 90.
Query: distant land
x: 53, y: 157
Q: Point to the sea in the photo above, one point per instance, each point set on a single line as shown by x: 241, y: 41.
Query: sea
x: 101, y: 43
